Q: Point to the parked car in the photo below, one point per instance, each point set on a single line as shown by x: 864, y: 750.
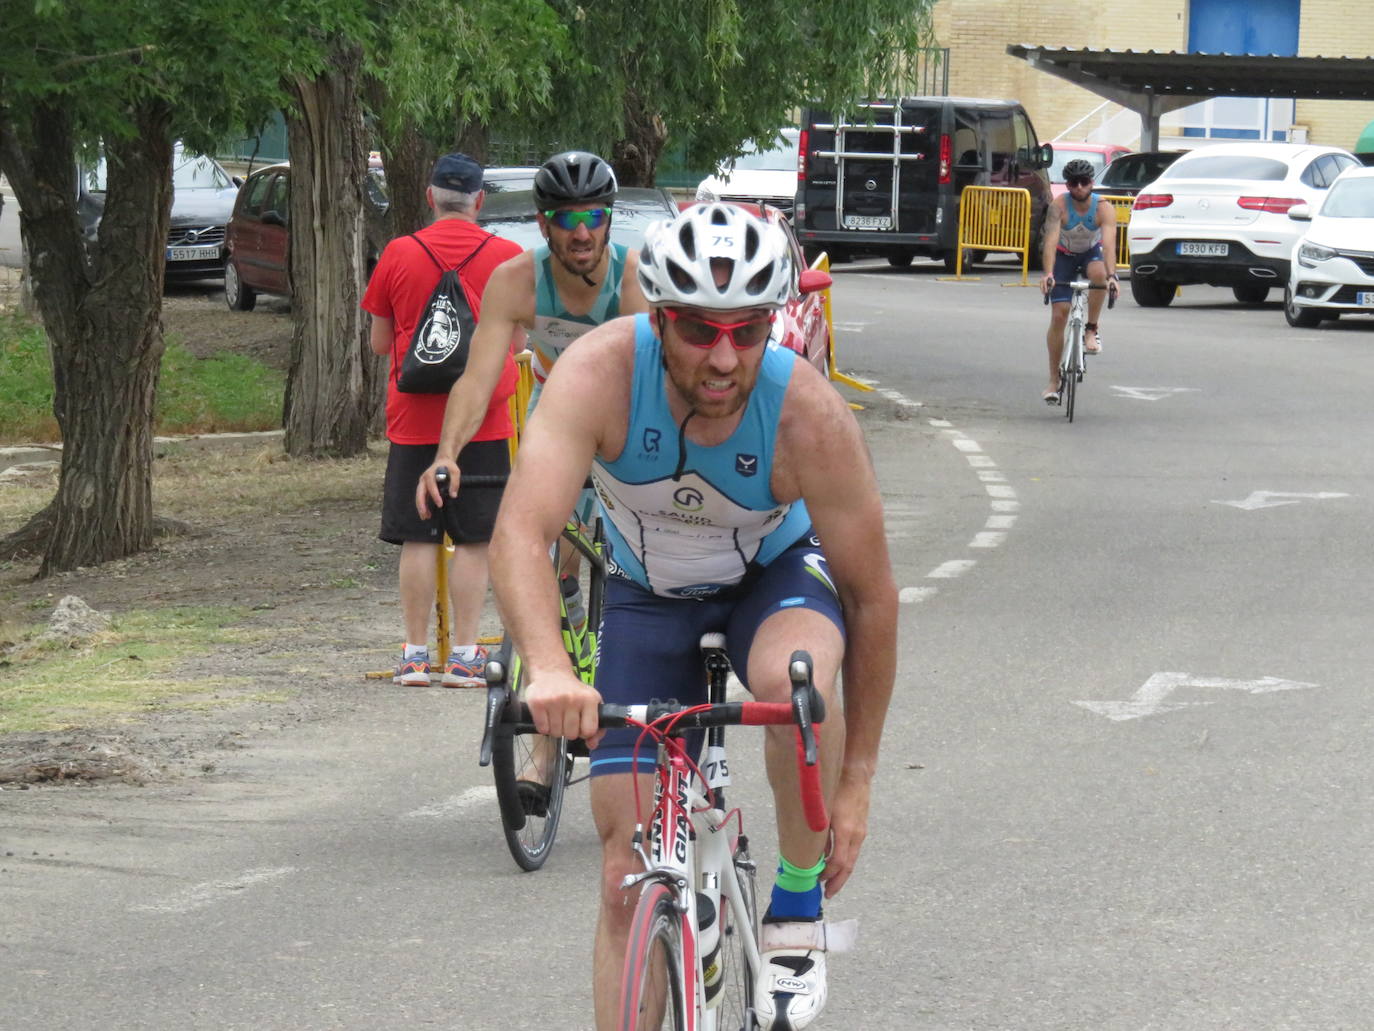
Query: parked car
x: 888, y: 179
x: 258, y: 237
x: 511, y: 214
x: 1219, y: 215
x: 1099, y: 155
x: 1333, y: 262
x: 757, y: 176
x: 202, y: 197
x: 1128, y: 174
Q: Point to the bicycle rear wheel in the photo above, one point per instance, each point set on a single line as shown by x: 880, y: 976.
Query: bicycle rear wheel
x: 528, y: 820
x: 733, y: 1001
x: 652, y: 994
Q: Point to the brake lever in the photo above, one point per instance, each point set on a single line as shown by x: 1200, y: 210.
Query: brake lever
x: 807, y: 704
x: 498, y: 697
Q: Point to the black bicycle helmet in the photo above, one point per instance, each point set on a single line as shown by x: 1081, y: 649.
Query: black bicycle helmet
x: 573, y: 177
x: 1078, y: 168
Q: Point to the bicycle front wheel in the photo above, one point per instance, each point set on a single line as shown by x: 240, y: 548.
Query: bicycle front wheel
x: 521, y: 765
x: 653, y: 995
x: 1070, y: 389
x: 730, y: 982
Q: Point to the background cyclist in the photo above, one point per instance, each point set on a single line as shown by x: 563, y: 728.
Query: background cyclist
x: 721, y: 464
x: 574, y: 281
x: 1080, y: 238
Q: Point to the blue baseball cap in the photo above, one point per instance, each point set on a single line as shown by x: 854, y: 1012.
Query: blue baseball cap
x: 457, y: 172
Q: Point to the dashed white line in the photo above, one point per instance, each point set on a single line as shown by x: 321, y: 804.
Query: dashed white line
x: 953, y: 568
x: 1002, y: 501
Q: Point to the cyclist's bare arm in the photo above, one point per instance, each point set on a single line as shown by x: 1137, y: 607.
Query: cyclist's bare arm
x: 584, y: 400
x: 507, y: 310
x: 823, y: 459
x: 1106, y: 218
x: 1049, y: 242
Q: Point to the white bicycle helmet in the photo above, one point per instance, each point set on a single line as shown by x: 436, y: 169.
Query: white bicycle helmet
x: 675, y: 264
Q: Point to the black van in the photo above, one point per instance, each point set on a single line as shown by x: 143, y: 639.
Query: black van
x: 887, y: 179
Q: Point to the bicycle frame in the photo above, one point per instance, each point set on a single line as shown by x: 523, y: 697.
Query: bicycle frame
x: 1071, y: 362
x: 592, y: 547
x: 692, y: 853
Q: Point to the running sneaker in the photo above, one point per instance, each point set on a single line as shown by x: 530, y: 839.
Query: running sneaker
x: 413, y: 672
x: 462, y: 673
x: 791, y: 986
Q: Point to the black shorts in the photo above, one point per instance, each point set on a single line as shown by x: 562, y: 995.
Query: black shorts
x: 468, y: 519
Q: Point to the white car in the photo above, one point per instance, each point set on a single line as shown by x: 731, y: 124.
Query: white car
x: 758, y: 176
x: 1219, y: 215
x: 1333, y: 264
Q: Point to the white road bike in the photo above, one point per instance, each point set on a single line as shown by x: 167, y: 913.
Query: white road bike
x: 1071, y: 366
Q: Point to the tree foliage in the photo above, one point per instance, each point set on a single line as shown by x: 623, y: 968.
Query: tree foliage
x: 718, y: 73
x: 129, y: 77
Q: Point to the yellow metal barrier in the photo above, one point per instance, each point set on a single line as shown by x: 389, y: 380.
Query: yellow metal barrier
x: 823, y: 263
x: 520, y: 400
x: 1123, y: 207
x: 994, y: 218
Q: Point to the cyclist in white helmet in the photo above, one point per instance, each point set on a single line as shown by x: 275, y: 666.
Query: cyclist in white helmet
x: 721, y: 464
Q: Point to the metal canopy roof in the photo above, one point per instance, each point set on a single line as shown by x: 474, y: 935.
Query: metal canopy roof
x: 1152, y: 82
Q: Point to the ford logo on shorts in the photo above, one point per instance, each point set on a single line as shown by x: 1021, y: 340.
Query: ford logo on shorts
x: 697, y: 591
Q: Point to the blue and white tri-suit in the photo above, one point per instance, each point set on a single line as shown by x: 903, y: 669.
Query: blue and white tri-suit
x: 698, y: 543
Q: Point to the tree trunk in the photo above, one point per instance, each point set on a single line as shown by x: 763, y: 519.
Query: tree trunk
x: 326, y: 410
x: 635, y: 156
x: 101, y: 307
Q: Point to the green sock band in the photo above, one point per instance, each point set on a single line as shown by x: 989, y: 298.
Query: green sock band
x: 797, y: 878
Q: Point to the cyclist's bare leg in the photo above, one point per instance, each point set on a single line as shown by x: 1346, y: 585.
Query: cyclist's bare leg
x: 614, y: 812
x: 779, y: 636
x: 417, y: 578
x: 1097, y: 275
x: 467, y: 589
x: 1054, y: 341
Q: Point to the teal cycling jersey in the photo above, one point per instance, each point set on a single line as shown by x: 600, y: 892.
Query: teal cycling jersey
x: 554, y: 326
x: 688, y: 520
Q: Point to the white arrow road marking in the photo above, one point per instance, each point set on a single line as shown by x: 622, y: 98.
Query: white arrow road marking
x: 1151, y: 393
x: 1152, y: 697
x: 455, y: 803
x: 1275, y: 498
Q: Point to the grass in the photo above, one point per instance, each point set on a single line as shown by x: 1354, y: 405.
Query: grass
x: 47, y: 685
x: 223, y: 393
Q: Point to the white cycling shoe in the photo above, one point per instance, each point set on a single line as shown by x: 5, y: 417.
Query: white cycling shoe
x: 791, y: 988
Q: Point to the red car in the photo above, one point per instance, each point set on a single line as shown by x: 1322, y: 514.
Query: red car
x: 802, y: 325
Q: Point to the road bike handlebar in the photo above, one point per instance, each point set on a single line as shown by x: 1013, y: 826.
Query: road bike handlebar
x: 441, y: 478
x: 805, y: 710
x: 1083, y: 284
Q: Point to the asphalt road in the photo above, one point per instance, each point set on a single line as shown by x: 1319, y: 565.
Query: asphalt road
x: 1191, y: 850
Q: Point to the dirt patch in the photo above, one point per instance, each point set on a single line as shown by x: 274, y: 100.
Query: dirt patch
x: 195, y: 314
x: 293, y: 544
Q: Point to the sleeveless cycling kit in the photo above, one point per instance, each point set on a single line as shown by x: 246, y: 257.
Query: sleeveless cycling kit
x: 554, y: 326
x: 697, y: 542
x: 1080, y: 244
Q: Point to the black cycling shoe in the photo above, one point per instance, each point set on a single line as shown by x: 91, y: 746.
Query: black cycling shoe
x: 534, y: 797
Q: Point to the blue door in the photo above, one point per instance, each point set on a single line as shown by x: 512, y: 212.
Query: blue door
x: 1243, y: 27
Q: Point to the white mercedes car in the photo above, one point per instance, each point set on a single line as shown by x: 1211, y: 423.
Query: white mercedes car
x: 1219, y: 215
x: 1333, y: 264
